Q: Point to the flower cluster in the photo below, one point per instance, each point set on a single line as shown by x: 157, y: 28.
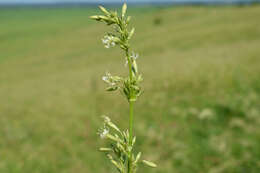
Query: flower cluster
x: 103, y: 132
x: 119, y: 152
x: 109, y: 41
x: 113, y: 82
x: 120, y: 23
x: 129, y: 86
x: 134, y: 56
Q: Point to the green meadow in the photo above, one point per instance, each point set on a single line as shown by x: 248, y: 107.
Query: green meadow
x: 200, y: 111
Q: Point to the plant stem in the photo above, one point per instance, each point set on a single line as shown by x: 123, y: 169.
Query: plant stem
x: 131, y: 102
x: 131, y: 113
x: 131, y: 118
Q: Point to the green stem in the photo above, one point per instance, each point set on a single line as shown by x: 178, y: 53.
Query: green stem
x: 131, y: 103
x: 131, y: 119
x: 131, y: 113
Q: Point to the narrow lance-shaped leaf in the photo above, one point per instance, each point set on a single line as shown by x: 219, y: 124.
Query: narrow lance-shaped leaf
x: 131, y: 33
x: 105, y: 149
x: 148, y: 163
x: 113, y: 138
x: 133, y: 141
x: 138, y: 157
x: 124, y: 10
x: 112, y: 125
x: 106, y: 19
x: 113, y: 88
x: 104, y: 10
x: 134, y: 67
x: 115, y: 163
x: 94, y: 17
x: 128, y: 20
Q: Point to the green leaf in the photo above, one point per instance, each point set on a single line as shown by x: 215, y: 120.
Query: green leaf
x: 118, y: 166
x: 112, y: 125
x: 128, y: 19
x: 138, y: 157
x: 148, y: 163
x: 94, y: 17
x: 133, y: 141
x: 126, y: 92
x: 134, y: 67
x: 131, y: 33
x: 113, y: 138
x: 104, y: 18
x: 116, y: 78
x: 120, y: 147
x: 139, y: 78
x: 114, y: 88
x: 104, y: 10
x: 105, y: 149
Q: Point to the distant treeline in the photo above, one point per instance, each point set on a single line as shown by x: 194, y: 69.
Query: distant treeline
x: 158, y: 3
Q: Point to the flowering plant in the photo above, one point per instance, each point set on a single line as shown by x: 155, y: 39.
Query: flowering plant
x: 121, y: 151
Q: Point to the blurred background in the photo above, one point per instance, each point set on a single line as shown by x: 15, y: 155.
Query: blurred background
x: 200, y: 111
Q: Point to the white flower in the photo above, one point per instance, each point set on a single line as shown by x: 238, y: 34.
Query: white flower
x: 104, y: 133
x: 134, y: 56
x: 109, y: 79
x: 105, y: 78
x: 105, y: 41
x: 108, y: 41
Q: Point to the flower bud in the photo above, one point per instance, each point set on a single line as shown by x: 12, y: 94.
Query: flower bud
x: 124, y: 9
x: 148, y: 163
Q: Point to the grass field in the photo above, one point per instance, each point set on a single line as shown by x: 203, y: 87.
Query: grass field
x: 200, y: 112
